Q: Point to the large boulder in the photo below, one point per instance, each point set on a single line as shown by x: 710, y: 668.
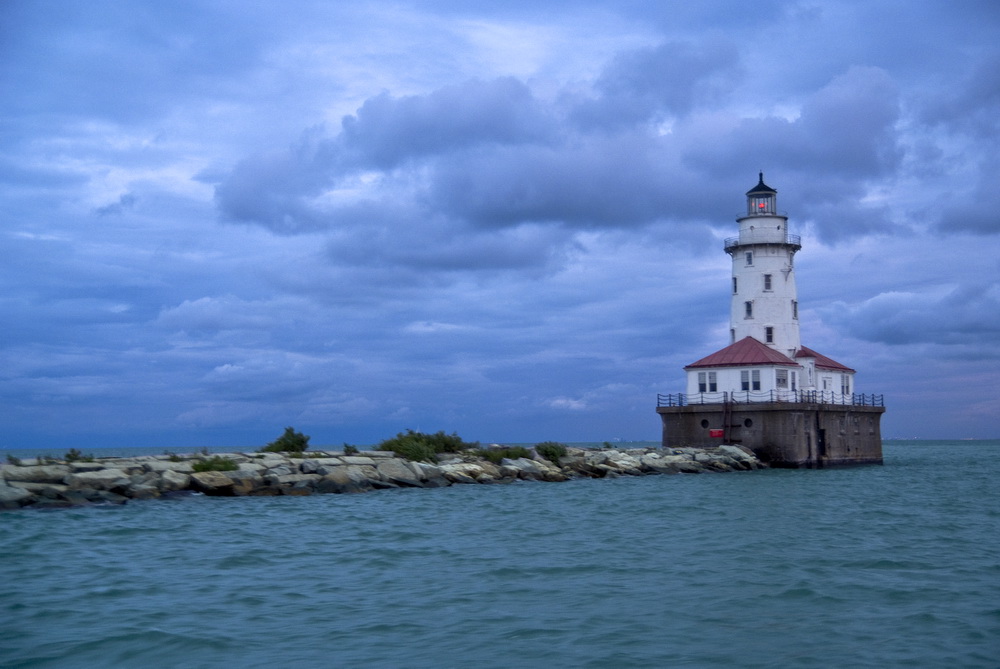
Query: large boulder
x: 362, y: 459
x: 214, y: 484
x: 102, y: 479
x: 532, y: 470
x: 742, y: 455
x: 339, y: 481
x: 143, y: 491
x: 318, y: 465
x: 47, y: 490
x: 86, y: 466
x: 245, y: 482
x: 14, y: 498
x: 37, y: 474
x: 397, y: 471
x: 654, y: 462
x: 169, y: 466
x: 171, y: 480
x: 365, y: 475
x: 624, y: 463
x: 289, y: 480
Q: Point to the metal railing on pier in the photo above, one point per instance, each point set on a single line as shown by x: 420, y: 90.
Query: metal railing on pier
x: 791, y: 396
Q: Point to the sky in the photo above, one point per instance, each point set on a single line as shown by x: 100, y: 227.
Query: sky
x: 504, y: 220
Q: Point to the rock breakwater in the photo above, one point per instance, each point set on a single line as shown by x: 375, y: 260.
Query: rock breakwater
x: 50, y: 483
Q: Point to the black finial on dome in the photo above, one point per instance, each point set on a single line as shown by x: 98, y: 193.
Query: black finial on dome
x: 761, y: 188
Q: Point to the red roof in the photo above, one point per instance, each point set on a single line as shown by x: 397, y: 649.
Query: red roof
x: 822, y: 361
x: 747, y: 351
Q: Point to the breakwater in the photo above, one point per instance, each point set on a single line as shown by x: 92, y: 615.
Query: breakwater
x: 51, y: 483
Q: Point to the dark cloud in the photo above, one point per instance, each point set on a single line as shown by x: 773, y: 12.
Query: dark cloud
x: 968, y: 120
x: 976, y: 209
x: 972, y: 104
x: 275, y: 189
x: 278, y: 189
x: 660, y: 82
x: 965, y: 315
x: 600, y: 182
x: 386, y: 131
x: 844, y: 128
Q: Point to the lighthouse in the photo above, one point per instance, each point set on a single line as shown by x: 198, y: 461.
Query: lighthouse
x: 791, y: 405
x: 765, y: 300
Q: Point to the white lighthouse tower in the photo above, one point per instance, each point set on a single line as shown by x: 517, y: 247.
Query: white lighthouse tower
x: 765, y: 390
x: 765, y: 300
x: 765, y: 359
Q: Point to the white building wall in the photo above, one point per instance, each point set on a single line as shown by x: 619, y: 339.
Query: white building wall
x: 729, y: 380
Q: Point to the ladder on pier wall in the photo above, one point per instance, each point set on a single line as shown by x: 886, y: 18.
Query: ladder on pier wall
x: 727, y: 422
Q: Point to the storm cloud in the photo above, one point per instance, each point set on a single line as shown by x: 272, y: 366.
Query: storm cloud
x: 501, y: 220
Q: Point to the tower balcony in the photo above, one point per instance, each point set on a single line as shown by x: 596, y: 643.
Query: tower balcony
x: 748, y: 238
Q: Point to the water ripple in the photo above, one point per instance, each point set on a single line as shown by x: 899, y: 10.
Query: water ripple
x: 877, y: 566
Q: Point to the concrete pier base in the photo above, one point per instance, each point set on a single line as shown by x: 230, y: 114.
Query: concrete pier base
x: 783, y: 434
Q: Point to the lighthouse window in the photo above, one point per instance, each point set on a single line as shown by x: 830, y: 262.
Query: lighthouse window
x: 702, y: 385
x: 755, y: 379
x: 781, y: 378
x: 748, y: 309
x: 734, y: 285
x: 749, y: 256
x: 713, y: 385
x: 795, y: 309
x: 769, y: 335
x: 767, y: 282
x: 745, y: 380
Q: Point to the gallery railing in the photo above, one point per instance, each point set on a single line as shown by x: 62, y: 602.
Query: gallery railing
x: 793, y: 396
x: 761, y: 237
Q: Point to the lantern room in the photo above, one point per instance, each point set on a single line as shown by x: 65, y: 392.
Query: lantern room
x: 761, y: 199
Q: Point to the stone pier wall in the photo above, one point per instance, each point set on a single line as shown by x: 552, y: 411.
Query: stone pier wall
x: 780, y: 433
x: 53, y: 483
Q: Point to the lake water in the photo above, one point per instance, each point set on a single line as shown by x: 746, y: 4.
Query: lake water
x: 892, y: 566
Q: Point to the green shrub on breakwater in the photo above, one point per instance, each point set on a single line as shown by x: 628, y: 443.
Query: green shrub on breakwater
x: 289, y: 442
x: 423, y: 447
x: 495, y: 455
x: 551, y: 450
x: 216, y: 463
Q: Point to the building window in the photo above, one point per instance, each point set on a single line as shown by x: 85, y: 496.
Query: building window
x: 713, y: 385
x: 769, y: 334
x: 795, y: 309
x: 702, y: 386
x: 767, y: 282
x: 755, y: 379
x: 732, y: 335
x: 749, y: 256
x: 745, y: 380
x: 748, y: 309
x: 795, y: 381
x: 734, y: 286
x: 781, y: 378
x: 845, y: 384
